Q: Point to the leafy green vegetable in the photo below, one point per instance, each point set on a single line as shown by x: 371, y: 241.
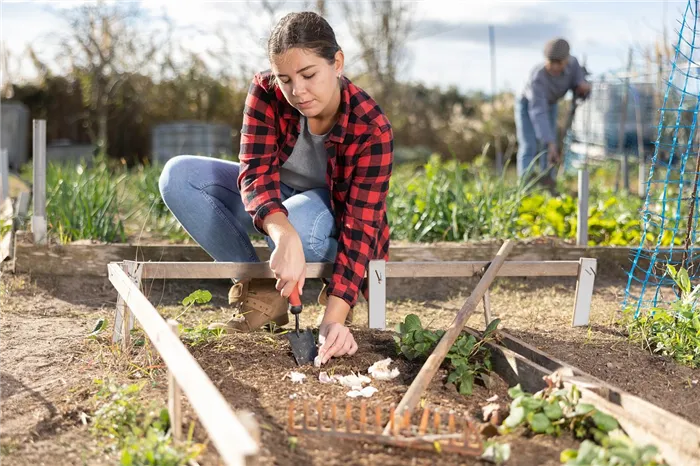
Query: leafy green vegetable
x: 467, y: 358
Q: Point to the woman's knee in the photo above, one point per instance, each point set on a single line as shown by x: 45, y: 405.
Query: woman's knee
x: 175, y: 175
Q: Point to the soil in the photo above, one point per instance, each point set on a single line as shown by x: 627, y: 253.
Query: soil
x: 49, y: 365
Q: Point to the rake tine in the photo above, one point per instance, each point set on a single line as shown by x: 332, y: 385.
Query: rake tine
x: 391, y: 419
x: 378, y: 419
x: 334, y: 412
x: 424, y: 421
x: 348, y: 416
x: 319, y: 412
x: 451, y: 425
x: 363, y: 416
x: 306, y: 414
x: 406, y: 421
x: 436, y: 422
x: 290, y: 416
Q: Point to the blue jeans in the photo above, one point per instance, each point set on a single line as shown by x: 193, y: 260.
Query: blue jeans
x: 203, y: 195
x: 528, y: 147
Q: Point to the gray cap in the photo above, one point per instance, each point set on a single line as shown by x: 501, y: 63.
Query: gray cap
x: 556, y: 49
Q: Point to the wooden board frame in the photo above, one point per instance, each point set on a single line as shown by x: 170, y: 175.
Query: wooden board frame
x: 677, y: 439
x: 379, y: 271
x: 234, y: 442
x: 514, y: 360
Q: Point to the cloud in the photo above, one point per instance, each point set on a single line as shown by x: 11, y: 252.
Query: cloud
x: 524, y: 33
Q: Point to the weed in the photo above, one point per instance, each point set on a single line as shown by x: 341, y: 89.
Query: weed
x: 467, y: 358
x: 140, y: 434
x: 673, y: 332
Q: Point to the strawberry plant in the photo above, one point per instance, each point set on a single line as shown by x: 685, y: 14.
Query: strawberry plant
x: 556, y: 410
x: 552, y: 411
x: 467, y: 359
x: 616, y: 450
x: 673, y: 332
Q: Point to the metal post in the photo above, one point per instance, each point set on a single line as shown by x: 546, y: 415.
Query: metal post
x: 623, y: 124
x: 496, y: 133
x: 39, y: 182
x: 4, y: 175
x: 582, y: 221
x: 641, y: 179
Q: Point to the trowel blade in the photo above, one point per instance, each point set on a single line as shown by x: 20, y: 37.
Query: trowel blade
x: 303, y: 346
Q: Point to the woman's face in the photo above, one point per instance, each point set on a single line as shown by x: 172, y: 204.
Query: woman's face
x: 308, y: 82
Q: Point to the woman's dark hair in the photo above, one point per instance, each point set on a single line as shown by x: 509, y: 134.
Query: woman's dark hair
x: 307, y: 30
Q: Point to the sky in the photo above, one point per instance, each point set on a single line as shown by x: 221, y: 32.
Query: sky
x: 449, y: 45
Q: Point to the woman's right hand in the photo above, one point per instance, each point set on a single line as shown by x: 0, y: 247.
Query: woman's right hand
x: 287, y: 261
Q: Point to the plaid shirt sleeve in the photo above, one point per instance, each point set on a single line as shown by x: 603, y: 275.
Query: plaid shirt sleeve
x: 365, y: 209
x: 259, y: 178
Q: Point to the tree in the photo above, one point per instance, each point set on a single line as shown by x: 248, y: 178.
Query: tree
x: 107, y: 43
x: 381, y: 28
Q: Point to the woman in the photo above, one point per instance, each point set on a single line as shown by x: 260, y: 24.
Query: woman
x: 316, y: 156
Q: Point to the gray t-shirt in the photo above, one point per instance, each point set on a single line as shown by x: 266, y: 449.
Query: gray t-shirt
x: 306, y: 166
x: 542, y: 89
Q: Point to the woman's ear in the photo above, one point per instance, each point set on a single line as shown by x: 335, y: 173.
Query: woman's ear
x: 339, y: 62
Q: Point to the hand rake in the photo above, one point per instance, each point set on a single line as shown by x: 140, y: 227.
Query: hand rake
x: 423, y: 429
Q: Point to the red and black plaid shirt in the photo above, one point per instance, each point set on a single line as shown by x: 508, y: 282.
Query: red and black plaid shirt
x: 360, y: 156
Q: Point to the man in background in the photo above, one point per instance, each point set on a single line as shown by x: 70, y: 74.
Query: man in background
x: 536, y: 109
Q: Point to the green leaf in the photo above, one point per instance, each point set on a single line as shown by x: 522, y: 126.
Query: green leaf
x: 411, y: 323
x: 515, y: 391
x: 604, y: 422
x: 515, y: 418
x: 466, y: 384
x: 583, y: 408
x: 197, y: 296
x: 568, y: 455
x: 553, y: 410
x: 491, y: 328
x: 539, y: 423
x: 100, y: 325
x: 683, y: 281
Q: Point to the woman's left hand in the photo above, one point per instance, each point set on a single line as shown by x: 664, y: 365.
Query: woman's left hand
x: 336, y: 340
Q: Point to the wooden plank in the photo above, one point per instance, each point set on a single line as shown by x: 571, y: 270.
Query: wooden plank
x: 80, y: 259
x: 232, y: 440
x: 323, y: 269
x: 680, y: 436
x: 584, y: 292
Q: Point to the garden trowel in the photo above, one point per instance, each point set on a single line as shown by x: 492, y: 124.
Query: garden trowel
x: 302, y: 342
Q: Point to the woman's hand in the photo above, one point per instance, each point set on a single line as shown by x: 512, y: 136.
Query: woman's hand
x: 287, y: 261
x: 336, y: 340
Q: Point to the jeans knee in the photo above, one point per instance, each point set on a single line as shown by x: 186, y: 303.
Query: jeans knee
x: 174, y: 176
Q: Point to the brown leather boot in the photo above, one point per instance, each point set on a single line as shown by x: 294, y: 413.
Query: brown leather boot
x: 257, y: 303
x: 323, y: 300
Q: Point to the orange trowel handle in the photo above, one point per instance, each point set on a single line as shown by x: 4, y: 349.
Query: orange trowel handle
x: 294, y: 297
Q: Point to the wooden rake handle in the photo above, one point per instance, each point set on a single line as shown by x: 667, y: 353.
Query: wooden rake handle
x: 432, y: 364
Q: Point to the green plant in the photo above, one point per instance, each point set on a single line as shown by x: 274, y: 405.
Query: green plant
x: 675, y: 331
x: 453, y: 201
x: 551, y: 411
x: 467, y: 359
x: 616, y: 450
x: 141, y: 434
x: 555, y: 410
x: 83, y: 202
